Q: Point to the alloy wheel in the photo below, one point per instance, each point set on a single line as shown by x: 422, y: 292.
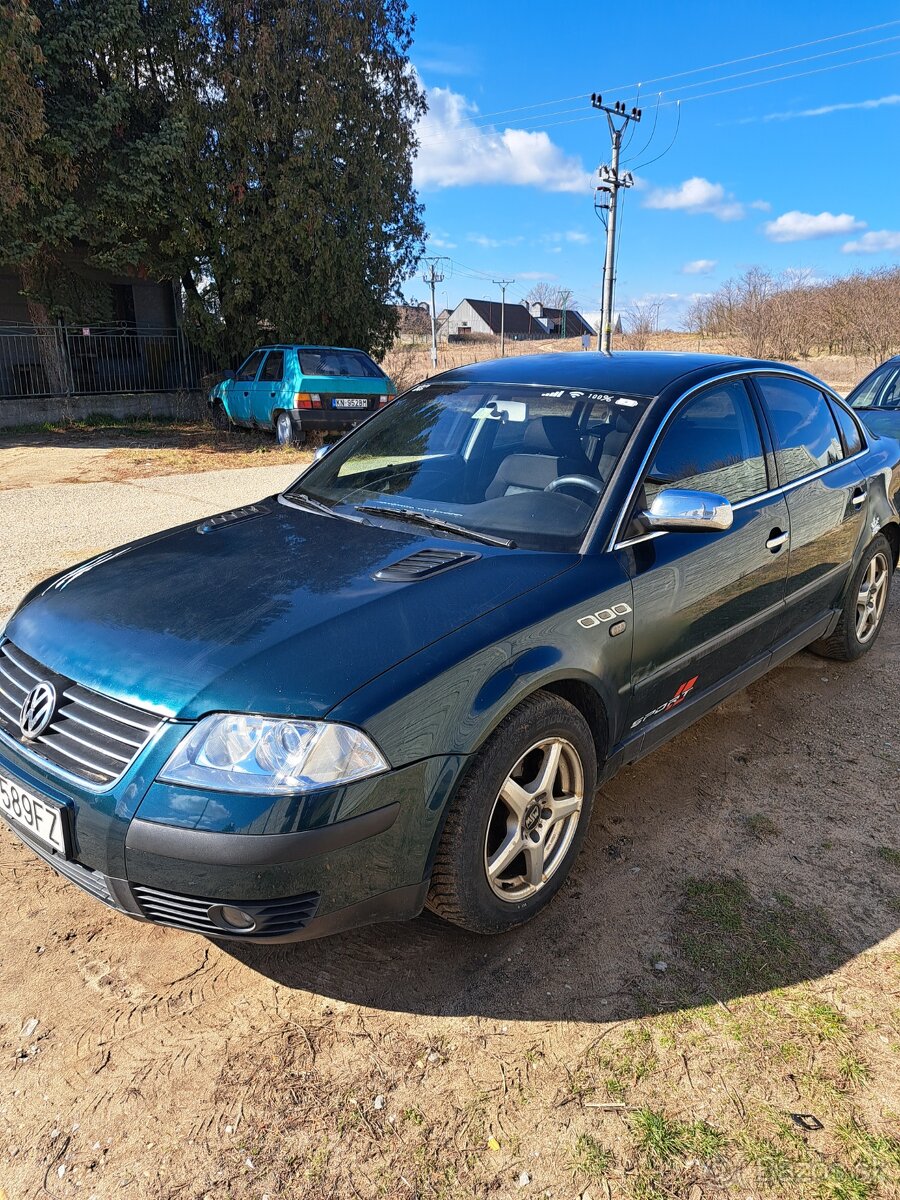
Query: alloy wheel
x: 872, y: 597
x: 534, y: 819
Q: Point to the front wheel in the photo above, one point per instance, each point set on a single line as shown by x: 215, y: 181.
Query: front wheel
x: 864, y: 607
x: 518, y: 819
x: 220, y: 417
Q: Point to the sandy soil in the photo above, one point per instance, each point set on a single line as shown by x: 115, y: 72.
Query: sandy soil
x: 724, y: 955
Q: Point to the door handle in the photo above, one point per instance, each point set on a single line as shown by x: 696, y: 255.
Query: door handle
x: 858, y: 497
x: 777, y: 539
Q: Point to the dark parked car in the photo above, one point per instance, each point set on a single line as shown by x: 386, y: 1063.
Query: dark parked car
x: 399, y: 681
x: 877, y: 398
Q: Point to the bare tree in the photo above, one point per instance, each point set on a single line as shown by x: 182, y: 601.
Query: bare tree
x: 550, y: 295
x: 641, y: 320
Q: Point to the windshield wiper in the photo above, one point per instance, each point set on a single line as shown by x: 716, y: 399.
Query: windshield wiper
x: 317, y: 506
x: 419, y: 518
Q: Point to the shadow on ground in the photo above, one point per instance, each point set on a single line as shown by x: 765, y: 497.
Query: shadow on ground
x: 757, y: 850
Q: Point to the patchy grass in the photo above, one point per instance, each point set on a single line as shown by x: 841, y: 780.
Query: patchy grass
x: 590, y: 1158
x: 760, y: 826
x: 735, y: 944
x: 889, y: 855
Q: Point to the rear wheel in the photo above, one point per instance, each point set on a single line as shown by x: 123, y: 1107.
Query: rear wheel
x: 865, y: 604
x: 518, y: 819
x: 286, y: 432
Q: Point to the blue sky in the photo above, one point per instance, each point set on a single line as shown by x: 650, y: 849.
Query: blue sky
x: 798, y: 172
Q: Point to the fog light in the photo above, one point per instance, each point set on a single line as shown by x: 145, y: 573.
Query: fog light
x: 231, y: 919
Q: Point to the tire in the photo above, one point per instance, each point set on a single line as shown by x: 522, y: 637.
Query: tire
x: 286, y: 434
x: 864, y: 607
x: 220, y: 418
x: 545, y: 733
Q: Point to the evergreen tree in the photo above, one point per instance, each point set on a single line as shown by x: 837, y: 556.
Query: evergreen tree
x: 309, y: 221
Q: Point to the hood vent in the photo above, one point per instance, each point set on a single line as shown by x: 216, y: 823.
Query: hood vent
x: 229, y: 518
x: 423, y: 564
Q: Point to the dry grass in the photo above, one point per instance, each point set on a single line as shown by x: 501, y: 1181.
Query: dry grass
x: 408, y: 363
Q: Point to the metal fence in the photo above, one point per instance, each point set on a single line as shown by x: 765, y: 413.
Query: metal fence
x: 73, y: 360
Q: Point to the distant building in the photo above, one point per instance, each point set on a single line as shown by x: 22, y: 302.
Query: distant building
x: 483, y: 318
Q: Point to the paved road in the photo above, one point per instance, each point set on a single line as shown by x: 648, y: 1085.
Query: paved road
x: 47, y: 528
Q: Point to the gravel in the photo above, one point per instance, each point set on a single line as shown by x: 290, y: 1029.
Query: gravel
x: 48, y: 528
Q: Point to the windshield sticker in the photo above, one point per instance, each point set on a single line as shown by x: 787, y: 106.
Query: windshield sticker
x: 626, y: 402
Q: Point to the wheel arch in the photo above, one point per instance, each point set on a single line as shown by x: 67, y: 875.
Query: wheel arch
x: 892, y: 532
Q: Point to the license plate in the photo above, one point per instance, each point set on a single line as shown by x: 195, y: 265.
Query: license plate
x: 44, y: 821
x: 350, y: 402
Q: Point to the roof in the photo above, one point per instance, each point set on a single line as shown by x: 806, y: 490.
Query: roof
x: 516, y: 319
x: 639, y: 372
x: 576, y: 325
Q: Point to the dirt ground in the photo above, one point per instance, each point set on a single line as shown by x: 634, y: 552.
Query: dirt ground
x: 709, y: 1009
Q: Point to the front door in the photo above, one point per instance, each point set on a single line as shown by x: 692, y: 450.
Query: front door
x: 707, y: 605
x: 826, y: 497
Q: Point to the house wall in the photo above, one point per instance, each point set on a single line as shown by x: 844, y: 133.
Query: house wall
x: 465, y: 315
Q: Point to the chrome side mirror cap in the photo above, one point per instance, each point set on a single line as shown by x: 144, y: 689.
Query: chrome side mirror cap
x: 680, y: 509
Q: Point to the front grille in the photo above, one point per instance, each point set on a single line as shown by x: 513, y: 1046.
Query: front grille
x: 89, y: 881
x: 90, y: 736
x: 274, y: 918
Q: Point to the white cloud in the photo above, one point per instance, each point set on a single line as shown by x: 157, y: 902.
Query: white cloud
x: 490, y: 243
x: 440, y: 243
x: 874, y: 242
x: 699, y: 266
x: 697, y: 195
x: 455, y: 152
x: 797, y: 226
x: 542, y: 276
x: 826, y: 109
x: 578, y: 236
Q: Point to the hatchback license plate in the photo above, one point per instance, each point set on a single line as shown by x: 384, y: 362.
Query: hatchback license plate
x: 43, y: 820
x: 350, y: 402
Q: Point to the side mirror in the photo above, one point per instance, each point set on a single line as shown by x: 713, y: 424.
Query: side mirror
x: 321, y: 452
x: 680, y: 509
x: 229, y: 375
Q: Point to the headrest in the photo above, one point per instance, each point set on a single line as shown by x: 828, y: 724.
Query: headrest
x: 553, y: 435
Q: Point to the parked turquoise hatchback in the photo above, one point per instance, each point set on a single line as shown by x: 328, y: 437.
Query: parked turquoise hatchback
x: 292, y: 389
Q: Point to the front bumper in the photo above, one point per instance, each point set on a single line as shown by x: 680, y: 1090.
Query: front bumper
x: 371, y: 865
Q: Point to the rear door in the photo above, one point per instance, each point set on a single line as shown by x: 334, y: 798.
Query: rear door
x: 707, y: 605
x: 241, y: 388
x: 265, y: 394
x: 826, y: 496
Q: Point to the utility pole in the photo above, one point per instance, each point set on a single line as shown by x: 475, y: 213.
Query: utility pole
x: 503, y: 284
x: 433, y: 278
x: 610, y: 182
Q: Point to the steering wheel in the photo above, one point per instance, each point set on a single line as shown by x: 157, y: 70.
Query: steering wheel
x: 583, y: 481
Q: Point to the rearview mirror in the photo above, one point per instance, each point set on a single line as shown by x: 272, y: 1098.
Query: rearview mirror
x: 680, y: 509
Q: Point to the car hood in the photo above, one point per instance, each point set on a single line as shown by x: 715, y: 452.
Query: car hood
x: 883, y: 421
x: 279, y: 613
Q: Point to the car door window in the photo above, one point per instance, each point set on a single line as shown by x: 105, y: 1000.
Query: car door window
x: 273, y: 371
x: 247, y: 372
x: 848, y: 427
x: 713, y: 445
x: 806, y: 435
x: 880, y: 390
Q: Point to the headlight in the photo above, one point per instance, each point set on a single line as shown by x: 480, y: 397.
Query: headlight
x: 228, y: 752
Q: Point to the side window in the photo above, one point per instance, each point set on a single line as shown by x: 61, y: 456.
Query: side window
x: 273, y: 371
x: 848, y: 427
x: 247, y: 372
x: 713, y: 445
x: 806, y: 436
x: 880, y: 390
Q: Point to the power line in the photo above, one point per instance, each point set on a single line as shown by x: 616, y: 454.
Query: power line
x: 731, y: 62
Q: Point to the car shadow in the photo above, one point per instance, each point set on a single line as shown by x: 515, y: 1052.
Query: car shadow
x: 727, y: 863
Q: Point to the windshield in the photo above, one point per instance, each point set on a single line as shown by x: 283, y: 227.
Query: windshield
x: 351, y: 364
x: 880, y: 390
x: 509, y: 464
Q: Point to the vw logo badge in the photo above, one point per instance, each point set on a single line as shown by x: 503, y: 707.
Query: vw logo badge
x: 37, y: 710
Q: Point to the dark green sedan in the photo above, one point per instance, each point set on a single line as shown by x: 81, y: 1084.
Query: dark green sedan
x: 399, y: 682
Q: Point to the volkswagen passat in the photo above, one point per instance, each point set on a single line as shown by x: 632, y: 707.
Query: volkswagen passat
x: 399, y: 682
